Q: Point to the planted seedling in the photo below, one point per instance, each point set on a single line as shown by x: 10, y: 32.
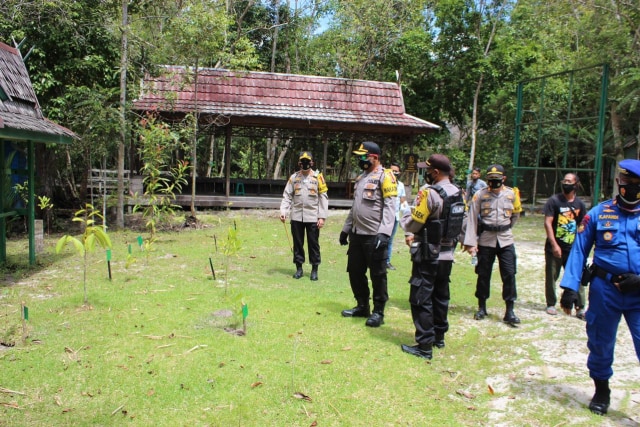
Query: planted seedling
x: 93, y: 234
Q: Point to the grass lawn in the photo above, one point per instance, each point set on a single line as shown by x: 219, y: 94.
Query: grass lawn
x: 159, y: 345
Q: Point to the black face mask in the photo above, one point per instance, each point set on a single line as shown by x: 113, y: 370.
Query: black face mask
x: 396, y: 174
x: 494, y: 183
x: 305, y: 164
x: 364, y: 164
x: 629, y: 195
x: 568, y: 188
x: 429, y: 178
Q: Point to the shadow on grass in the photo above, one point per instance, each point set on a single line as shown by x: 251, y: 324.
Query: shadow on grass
x: 17, y: 265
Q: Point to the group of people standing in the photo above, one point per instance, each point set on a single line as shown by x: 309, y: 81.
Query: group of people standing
x: 481, y: 218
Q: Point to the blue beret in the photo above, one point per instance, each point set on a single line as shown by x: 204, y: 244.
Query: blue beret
x: 630, y: 167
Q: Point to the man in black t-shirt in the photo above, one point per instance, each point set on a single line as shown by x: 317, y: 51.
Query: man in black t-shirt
x: 563, y: 213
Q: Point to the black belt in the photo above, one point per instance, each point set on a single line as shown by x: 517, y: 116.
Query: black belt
x: 495, y: 227
x: 602, y: 273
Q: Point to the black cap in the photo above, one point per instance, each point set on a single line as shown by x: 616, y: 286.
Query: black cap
x: 495, y: 170
x: 440, y: 162
x: 367, y: 147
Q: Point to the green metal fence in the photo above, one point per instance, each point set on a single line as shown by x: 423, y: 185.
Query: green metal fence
x: 560, y: 120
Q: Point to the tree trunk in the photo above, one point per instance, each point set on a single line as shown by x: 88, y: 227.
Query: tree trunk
x: 474, y: 124
x: 123, y: 118
x: 476, y: 96
x: 194, y: 149
x: 283, y: 153
x: 272, y: 146
x: 212, y: 144
x: 276, y: 29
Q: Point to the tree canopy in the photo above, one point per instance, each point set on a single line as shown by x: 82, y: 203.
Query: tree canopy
x: 458, y: 63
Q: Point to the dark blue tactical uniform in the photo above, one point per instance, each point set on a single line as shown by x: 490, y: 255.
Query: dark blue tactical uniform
x: 613, y: 229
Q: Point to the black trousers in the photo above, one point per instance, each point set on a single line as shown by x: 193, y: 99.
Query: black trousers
x: 298, y: 230
x: 361, y: 256
x: 429, y: 298
x: 507, y: 261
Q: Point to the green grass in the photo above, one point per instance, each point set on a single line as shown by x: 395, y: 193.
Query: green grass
x: 151, y: 348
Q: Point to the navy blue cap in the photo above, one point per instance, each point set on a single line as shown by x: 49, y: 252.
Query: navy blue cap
x: 367, y: 147
x: 629, y: 167
x: 495, y: 170
x: 440, y: 162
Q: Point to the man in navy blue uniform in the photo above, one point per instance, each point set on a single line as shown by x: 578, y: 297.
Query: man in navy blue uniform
x: 613, y: 227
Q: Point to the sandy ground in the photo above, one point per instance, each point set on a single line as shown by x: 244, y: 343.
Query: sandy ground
x: 563, y: 382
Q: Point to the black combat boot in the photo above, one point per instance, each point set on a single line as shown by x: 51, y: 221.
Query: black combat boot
x: 360, y: 310
x: 509, y: 315
x: 377, y: 317
x: 599, y: 405
x: 439, y: 341
x: 314, y: 272
x: 421, y: 350
x: 298, y: 274
x: 482, y: 310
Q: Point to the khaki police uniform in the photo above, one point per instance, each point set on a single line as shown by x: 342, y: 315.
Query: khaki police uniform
x: 373, y: 212
x: 305, y: 199
x: 491, y: 217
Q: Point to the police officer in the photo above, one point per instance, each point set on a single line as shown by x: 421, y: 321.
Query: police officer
x: 492, y: 213
x: 613, y: 227
x: 432, y: 222
x: 305, y: 198
x: 366, y: 230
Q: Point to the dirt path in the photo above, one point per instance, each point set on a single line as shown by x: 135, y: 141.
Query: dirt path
x: 561, y: 342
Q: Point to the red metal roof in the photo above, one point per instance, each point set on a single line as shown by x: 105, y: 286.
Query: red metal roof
x: 259, y: 99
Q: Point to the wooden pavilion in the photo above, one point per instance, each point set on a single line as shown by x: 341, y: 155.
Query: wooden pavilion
x: 22, y: 125
x: 235, y: 103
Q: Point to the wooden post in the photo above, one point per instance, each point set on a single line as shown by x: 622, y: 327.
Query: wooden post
x: 39, y: 235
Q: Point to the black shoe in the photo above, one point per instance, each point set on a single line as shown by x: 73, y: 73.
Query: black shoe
x: 390, y: 267
x: 480, y: 314
x: 598, y: 408
x: 313, y: 275
x: 376, y: 319
x: 599, y: 404
x: 298, y: 274
x: 421, y: 350
x: 439, y: 341
x: 357, y: 311
x: 510, y: 317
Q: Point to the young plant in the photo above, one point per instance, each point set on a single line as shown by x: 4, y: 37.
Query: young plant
x: 45, y: 205
x: 161, y: 181
x: 93, y: 234
x: 230, y: 248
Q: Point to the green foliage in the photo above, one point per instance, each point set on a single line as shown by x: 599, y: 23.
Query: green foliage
x: 22, y: 190
x: 161, y: 180
x: 437, y: 47
x: 93, y: 233
x: 46, y: 206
